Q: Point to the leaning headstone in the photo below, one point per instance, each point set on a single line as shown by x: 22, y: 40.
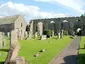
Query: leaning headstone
x: 15, y: 47
x: 1, y: 40
x: 43, y: 37
x: 19, y: 60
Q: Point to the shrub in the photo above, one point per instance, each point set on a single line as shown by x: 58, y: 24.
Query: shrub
x: 47, y: 32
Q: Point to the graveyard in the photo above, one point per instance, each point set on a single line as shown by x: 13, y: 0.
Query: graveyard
x: 42, y: 41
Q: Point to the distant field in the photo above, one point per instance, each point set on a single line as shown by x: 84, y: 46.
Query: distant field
x: 53, y: 46
x: 81, y: 56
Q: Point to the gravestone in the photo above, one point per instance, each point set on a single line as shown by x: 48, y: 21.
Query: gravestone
x: 30, y: 35
x: 52, y: 33
x: 15, y: 49
x: 8, y: 34
x: 1, y: 40
x: 4, y: 42
x: 59, y: 35
x: 13, y: 37
x: 40, y: 28
x: 62, y: 32
x: 26, y: 35
x: 36, y: 34
x: 31, y: 30
x: 43, y: 37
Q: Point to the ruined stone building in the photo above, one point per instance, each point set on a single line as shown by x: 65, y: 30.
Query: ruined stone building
x: 9, y: 23
x: 68, y: 23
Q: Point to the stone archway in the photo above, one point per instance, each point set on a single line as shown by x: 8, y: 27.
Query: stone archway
x: 40, y: 28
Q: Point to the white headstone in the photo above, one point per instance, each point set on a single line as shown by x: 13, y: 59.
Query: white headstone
x: 59, y: 35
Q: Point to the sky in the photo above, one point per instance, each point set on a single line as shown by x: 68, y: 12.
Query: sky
x: 37, y: 9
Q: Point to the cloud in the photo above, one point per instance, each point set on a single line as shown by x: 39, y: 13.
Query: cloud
x: 74, y: 4
x: 32, y: 12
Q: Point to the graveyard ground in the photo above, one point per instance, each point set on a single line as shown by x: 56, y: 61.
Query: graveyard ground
x: 52, y: 46
x: 81, y: 55
x: 3, y: 52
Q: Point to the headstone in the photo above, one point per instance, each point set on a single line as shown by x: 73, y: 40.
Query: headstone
x: 26, y: 34
x: 52, y: 33
x: 15, y: 48
x: 36, y: 34
x: 40, y: 28
x: 59, y: 35
x: 62, y: 32
x: 43, y: 37
x: 13, y: 37
x: 30, y: 35
x: 4, y: 42
x: 31, y: 30
x: 8, y: 34
x: 1, y: 40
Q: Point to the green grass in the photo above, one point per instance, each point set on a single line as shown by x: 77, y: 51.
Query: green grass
x: 3, y: 53
x: 81, y: 55
x: 53, y: 46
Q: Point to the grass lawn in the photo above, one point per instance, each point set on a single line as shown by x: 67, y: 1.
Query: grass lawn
x: 81, y: 55
x: 53, y: 46
x: 3, y: 53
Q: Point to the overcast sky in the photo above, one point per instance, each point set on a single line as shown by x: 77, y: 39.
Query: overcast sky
x: 33, y: 9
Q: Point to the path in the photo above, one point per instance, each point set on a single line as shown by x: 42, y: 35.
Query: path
x: 69, y: 54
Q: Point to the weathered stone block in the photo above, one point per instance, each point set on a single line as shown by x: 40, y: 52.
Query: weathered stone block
x: 43, y: 37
